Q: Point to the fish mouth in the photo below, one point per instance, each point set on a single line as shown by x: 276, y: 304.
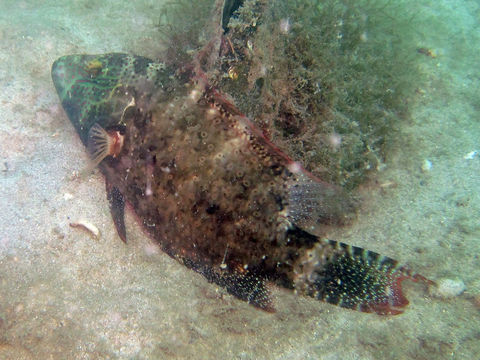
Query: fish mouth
x: 64, y: 77
x: 58, y: 74
x: 66, y: 70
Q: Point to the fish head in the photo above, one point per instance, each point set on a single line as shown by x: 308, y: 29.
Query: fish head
x: 98, y: 90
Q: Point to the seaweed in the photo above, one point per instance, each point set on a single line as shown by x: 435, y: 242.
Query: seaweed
x: 328, y: 81
x: 184, y: 27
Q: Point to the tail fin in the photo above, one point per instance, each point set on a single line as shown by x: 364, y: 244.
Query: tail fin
x: 352, y: 277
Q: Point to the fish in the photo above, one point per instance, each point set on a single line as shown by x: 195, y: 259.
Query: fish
x: 212, y: 190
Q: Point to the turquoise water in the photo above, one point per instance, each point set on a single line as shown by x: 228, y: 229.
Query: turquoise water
x: 65, y: 294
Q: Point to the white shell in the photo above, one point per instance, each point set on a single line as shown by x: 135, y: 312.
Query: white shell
x: 92, y: 229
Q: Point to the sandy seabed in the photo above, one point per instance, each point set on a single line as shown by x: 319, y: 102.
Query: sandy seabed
x: 65, y: 295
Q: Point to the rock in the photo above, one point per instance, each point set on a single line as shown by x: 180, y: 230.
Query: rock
x: 447, y: 288
x: 426, y: 166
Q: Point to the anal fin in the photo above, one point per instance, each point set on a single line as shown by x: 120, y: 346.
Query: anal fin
x: 245, y: 286
x: 117, y: 209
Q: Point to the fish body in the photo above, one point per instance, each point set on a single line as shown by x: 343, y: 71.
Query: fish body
x: 213, y: 191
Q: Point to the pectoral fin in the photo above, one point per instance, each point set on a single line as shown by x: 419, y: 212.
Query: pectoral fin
x: 117, y: 209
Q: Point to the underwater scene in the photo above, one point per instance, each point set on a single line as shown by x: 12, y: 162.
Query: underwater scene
x: 240, y: 179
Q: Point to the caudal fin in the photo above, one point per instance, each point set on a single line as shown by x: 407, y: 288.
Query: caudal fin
x: 352, y: 277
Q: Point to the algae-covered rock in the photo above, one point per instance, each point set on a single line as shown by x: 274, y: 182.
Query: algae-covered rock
x: 326, y: 80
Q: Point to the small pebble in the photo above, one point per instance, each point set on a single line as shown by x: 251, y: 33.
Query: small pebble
x: 426, y: 166
x: 471, y: 155
x: 447, y: 288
